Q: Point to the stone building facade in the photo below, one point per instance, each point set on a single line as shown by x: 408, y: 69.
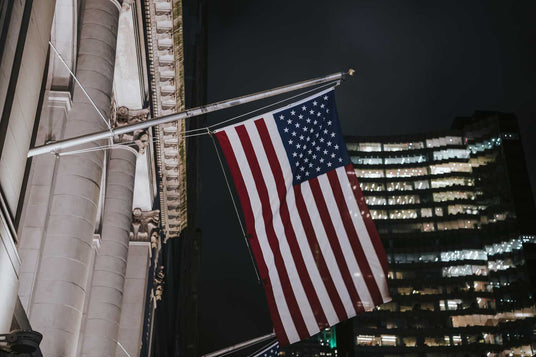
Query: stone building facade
x: 82, y: 229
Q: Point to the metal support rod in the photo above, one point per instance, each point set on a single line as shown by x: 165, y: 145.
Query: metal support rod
x: 240, y: 345
x: 63, y: 144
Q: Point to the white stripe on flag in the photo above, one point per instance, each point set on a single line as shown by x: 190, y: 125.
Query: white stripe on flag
x: 342, y: 237
x: 279, y: 297
x: 312, y: 269
x: 275, y: 204
x: 363, y: 234
x: 325, y: 248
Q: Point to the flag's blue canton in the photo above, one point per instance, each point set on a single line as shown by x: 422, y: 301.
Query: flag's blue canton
x: 273, y: 352
x: 312, y: 137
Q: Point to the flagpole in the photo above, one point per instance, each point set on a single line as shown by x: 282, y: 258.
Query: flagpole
x: 241, y: 345
x: 54, y: 147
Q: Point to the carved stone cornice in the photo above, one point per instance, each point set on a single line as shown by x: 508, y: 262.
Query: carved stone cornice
x: 164, y: 39
x: 145, y: 225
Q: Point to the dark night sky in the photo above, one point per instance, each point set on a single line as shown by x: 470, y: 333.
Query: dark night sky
x: 419, y: 64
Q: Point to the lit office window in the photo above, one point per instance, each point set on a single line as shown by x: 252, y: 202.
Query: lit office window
x: 501, y: 264
x: 404, y: 290
x: 458, y: 224
x: 482, y: 286
x: 464, y: 270
x: 378, y: 214
x: 452, y: 181
x: 388, y: 340
x: 409, y: 341
x: 406, y: 172
x: 430, y: 291
x: 403, y: 214
x: 358, y: 160
x: 428, y: 257
x: 453, y: 195
x: 367, y: 340
x: 375, y: 200
x: 450, y: 167
x: 403, y: 200
x: 403, y: 146
x: 370, y: 147
x: 438, y: 211
x: 443, y: 141
x: 405, y: 258
x: 436, y: 341
x: 465, y: 254
x: 446, y: 154
x: 451, y: 304
x: 436, y: 142
x: 421, y: 185
x: 485, y: 145
x: 428, y: 227
x: 405, y: 160
x: 509, y: 246
x: 462, y: 209
x: 372, y: 186
x: 453, y: 140
x: 399, y: 186
x: 366, y: 173
x: 426, y: 212
x: 485, y: 303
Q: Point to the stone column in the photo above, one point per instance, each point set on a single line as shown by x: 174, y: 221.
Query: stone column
x: 143, y: 241
x: 104, y: 309
x: 57, y: 303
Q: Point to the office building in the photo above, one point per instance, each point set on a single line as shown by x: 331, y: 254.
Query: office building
x: 456, y: 215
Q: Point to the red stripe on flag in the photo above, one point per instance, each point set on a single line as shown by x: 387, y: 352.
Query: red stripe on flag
x: 335, y: 245
x: 367, y: 218
x: 353, y: 238
x: 290, y: 235
x: 295, y: 312
x: 319, y: 258
x: 250, y: 226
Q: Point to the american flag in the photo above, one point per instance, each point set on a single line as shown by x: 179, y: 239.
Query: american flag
x: 317, y: 249
x: 272, y: 350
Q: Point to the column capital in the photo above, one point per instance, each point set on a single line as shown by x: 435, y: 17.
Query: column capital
x: 144, y: 226
x: 138, y: 139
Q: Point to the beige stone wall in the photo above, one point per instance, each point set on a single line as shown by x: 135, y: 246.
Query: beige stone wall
x: 23, y: 112
x: 18, y: 134
x: 132, y: 309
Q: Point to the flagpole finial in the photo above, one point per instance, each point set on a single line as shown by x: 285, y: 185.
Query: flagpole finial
x: 348, y: 74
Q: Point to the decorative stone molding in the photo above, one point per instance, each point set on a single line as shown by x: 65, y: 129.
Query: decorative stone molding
x: 139, y: 139
x: 126, y: 4
x: 164, y: 39
x: 158, y: 282
x: 145, y: 226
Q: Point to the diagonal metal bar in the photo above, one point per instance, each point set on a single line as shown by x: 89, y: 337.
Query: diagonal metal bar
x: 241, y: 345
x: 67, y: 143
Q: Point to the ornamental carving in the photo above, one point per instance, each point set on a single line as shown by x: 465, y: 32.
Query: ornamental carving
x: 158, y: 282
x: 145, y: 226
x: 138, y: 139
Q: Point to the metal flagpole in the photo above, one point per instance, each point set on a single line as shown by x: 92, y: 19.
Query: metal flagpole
x: 240, y: 345
x: 67, y: 143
